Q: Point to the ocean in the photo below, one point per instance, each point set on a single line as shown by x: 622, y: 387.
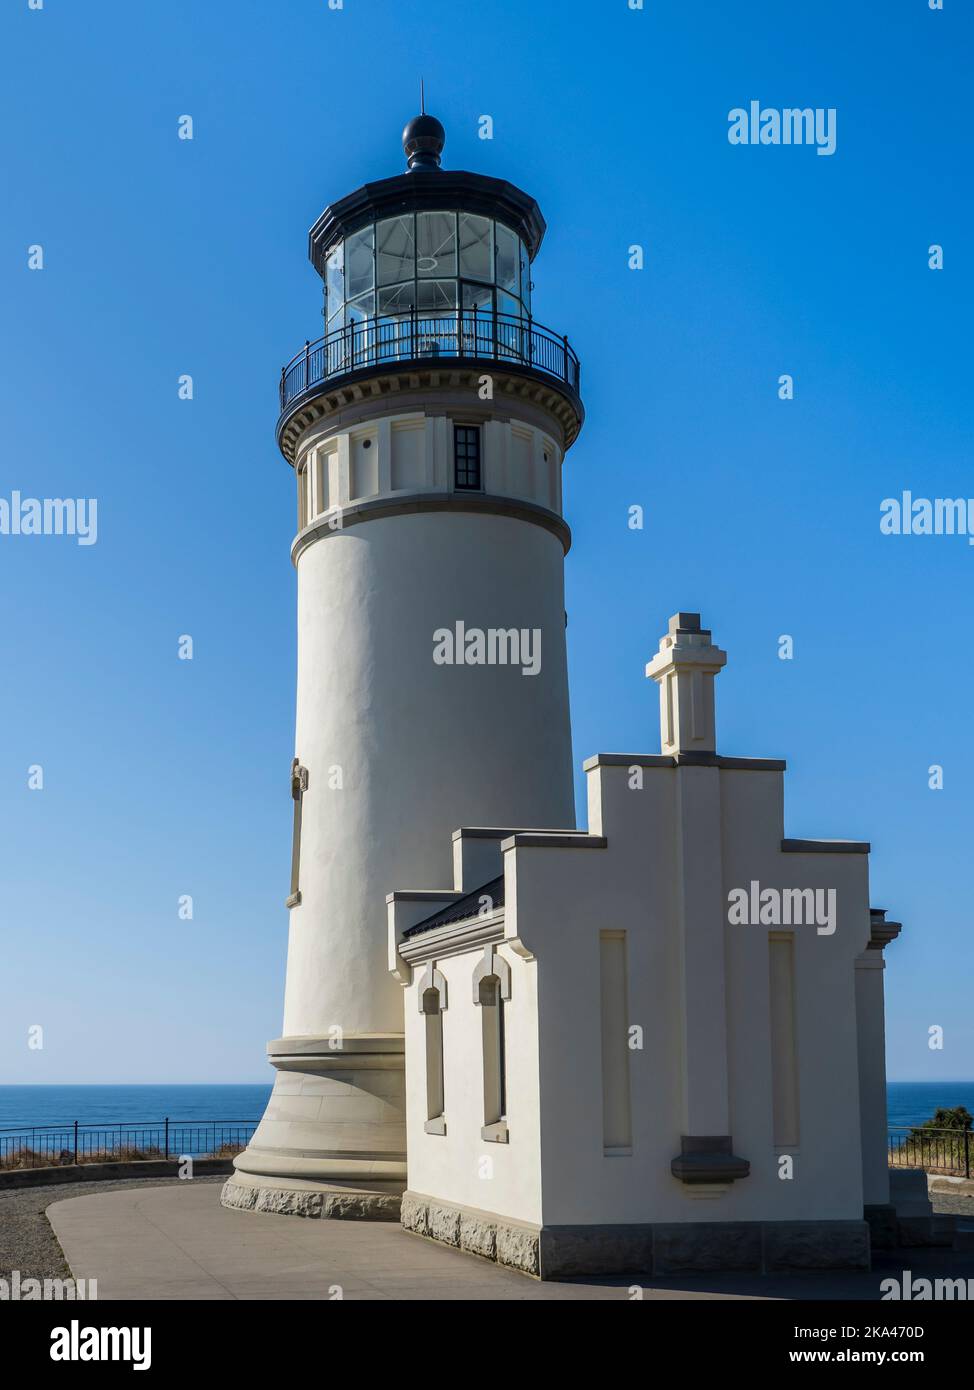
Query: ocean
x: 24, y: 1106
x: 912, y: 1102
x: 908, y: 1103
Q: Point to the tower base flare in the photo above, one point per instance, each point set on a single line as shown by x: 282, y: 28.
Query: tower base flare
x: 332, y: 1142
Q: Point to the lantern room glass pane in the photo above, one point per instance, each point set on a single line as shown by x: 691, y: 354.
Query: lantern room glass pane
x: 359, y: 344
x: 335, y: 281
x: 357, y: 310
x: 525, y: 278
x: 436, y: 243
x: 475, y: 247
x: 398, y: 299
x: 506, y: 258
x: 510, y: 336
x: 479, y: 297
x: 359, y: 267
x: 395, y: 246
x: 436, y: 296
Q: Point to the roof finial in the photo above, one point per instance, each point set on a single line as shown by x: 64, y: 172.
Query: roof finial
x: 422, y: 96
x: 423, y: 140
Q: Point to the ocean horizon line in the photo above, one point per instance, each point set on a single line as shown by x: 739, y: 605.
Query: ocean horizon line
x: 63, y: 1085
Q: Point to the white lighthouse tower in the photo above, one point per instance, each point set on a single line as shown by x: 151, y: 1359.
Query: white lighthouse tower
x: 427, y: 431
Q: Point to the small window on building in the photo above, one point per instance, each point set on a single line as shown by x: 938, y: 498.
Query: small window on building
x: 491, y: 990
x: 495, y: 1078
x: 432, y: 1001
x: 466, y: 457
x: 434, y: 1060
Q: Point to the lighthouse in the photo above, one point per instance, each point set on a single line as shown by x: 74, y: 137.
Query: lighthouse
x: 426, y: 430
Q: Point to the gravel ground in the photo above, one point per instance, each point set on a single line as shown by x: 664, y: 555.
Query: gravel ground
x: 27, y: 1242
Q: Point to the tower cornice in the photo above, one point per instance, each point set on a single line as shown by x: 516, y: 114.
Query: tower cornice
x: 371, y: 392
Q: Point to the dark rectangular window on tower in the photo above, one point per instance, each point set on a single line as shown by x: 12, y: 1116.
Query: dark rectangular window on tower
x: 466, y: 457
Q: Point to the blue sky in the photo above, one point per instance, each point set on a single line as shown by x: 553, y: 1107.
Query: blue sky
x: 163, y: 257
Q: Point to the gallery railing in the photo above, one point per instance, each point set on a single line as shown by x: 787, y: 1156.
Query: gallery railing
x: 42, y: 1146
x: 413, y: 336
x: 936, y: 1150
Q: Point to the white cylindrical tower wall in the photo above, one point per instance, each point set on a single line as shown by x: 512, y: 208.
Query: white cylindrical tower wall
x: 401, y: 751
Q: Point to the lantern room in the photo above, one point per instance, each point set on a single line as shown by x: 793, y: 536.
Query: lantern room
x: 430, y: 263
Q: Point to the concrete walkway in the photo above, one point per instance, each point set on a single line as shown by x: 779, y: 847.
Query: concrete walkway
x: 177, y: 1242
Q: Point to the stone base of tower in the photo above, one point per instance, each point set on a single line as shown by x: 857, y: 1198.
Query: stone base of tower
x: 332, y: 1142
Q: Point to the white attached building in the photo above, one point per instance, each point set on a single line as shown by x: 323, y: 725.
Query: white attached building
x: 657, y: 1045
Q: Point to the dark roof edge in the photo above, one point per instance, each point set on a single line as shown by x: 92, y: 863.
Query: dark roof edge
x: 558, y: 840
x: 825, y: 847
x: 494, y: 832
x: 464, y: 908
x: 428, y: 191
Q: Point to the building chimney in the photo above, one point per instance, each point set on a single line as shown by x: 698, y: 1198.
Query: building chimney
x: 684, y: 669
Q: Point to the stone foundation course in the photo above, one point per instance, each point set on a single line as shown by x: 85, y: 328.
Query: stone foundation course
x: 660, y: 1249
x: 335, y: 1205
x: 477, y: 1232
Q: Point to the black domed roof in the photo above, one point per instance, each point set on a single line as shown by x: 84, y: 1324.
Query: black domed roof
x: 427, y: 190
x: 425, y: 187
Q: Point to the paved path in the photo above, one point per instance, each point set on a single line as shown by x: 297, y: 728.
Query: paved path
x: 27, y: 1242
x: 177, y: 1242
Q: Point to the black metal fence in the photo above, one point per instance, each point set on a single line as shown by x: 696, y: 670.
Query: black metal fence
x: 949, y: 1151
x: 408, y: 337
x: 43, y: 1146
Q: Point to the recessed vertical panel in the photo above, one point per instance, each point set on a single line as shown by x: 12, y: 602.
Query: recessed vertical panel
x: 304, y: 506
x: 784, y: 1041
x: 364, y: 469
x: 409, y: 457
x: 669, y: 704
x: 616, y: 1110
